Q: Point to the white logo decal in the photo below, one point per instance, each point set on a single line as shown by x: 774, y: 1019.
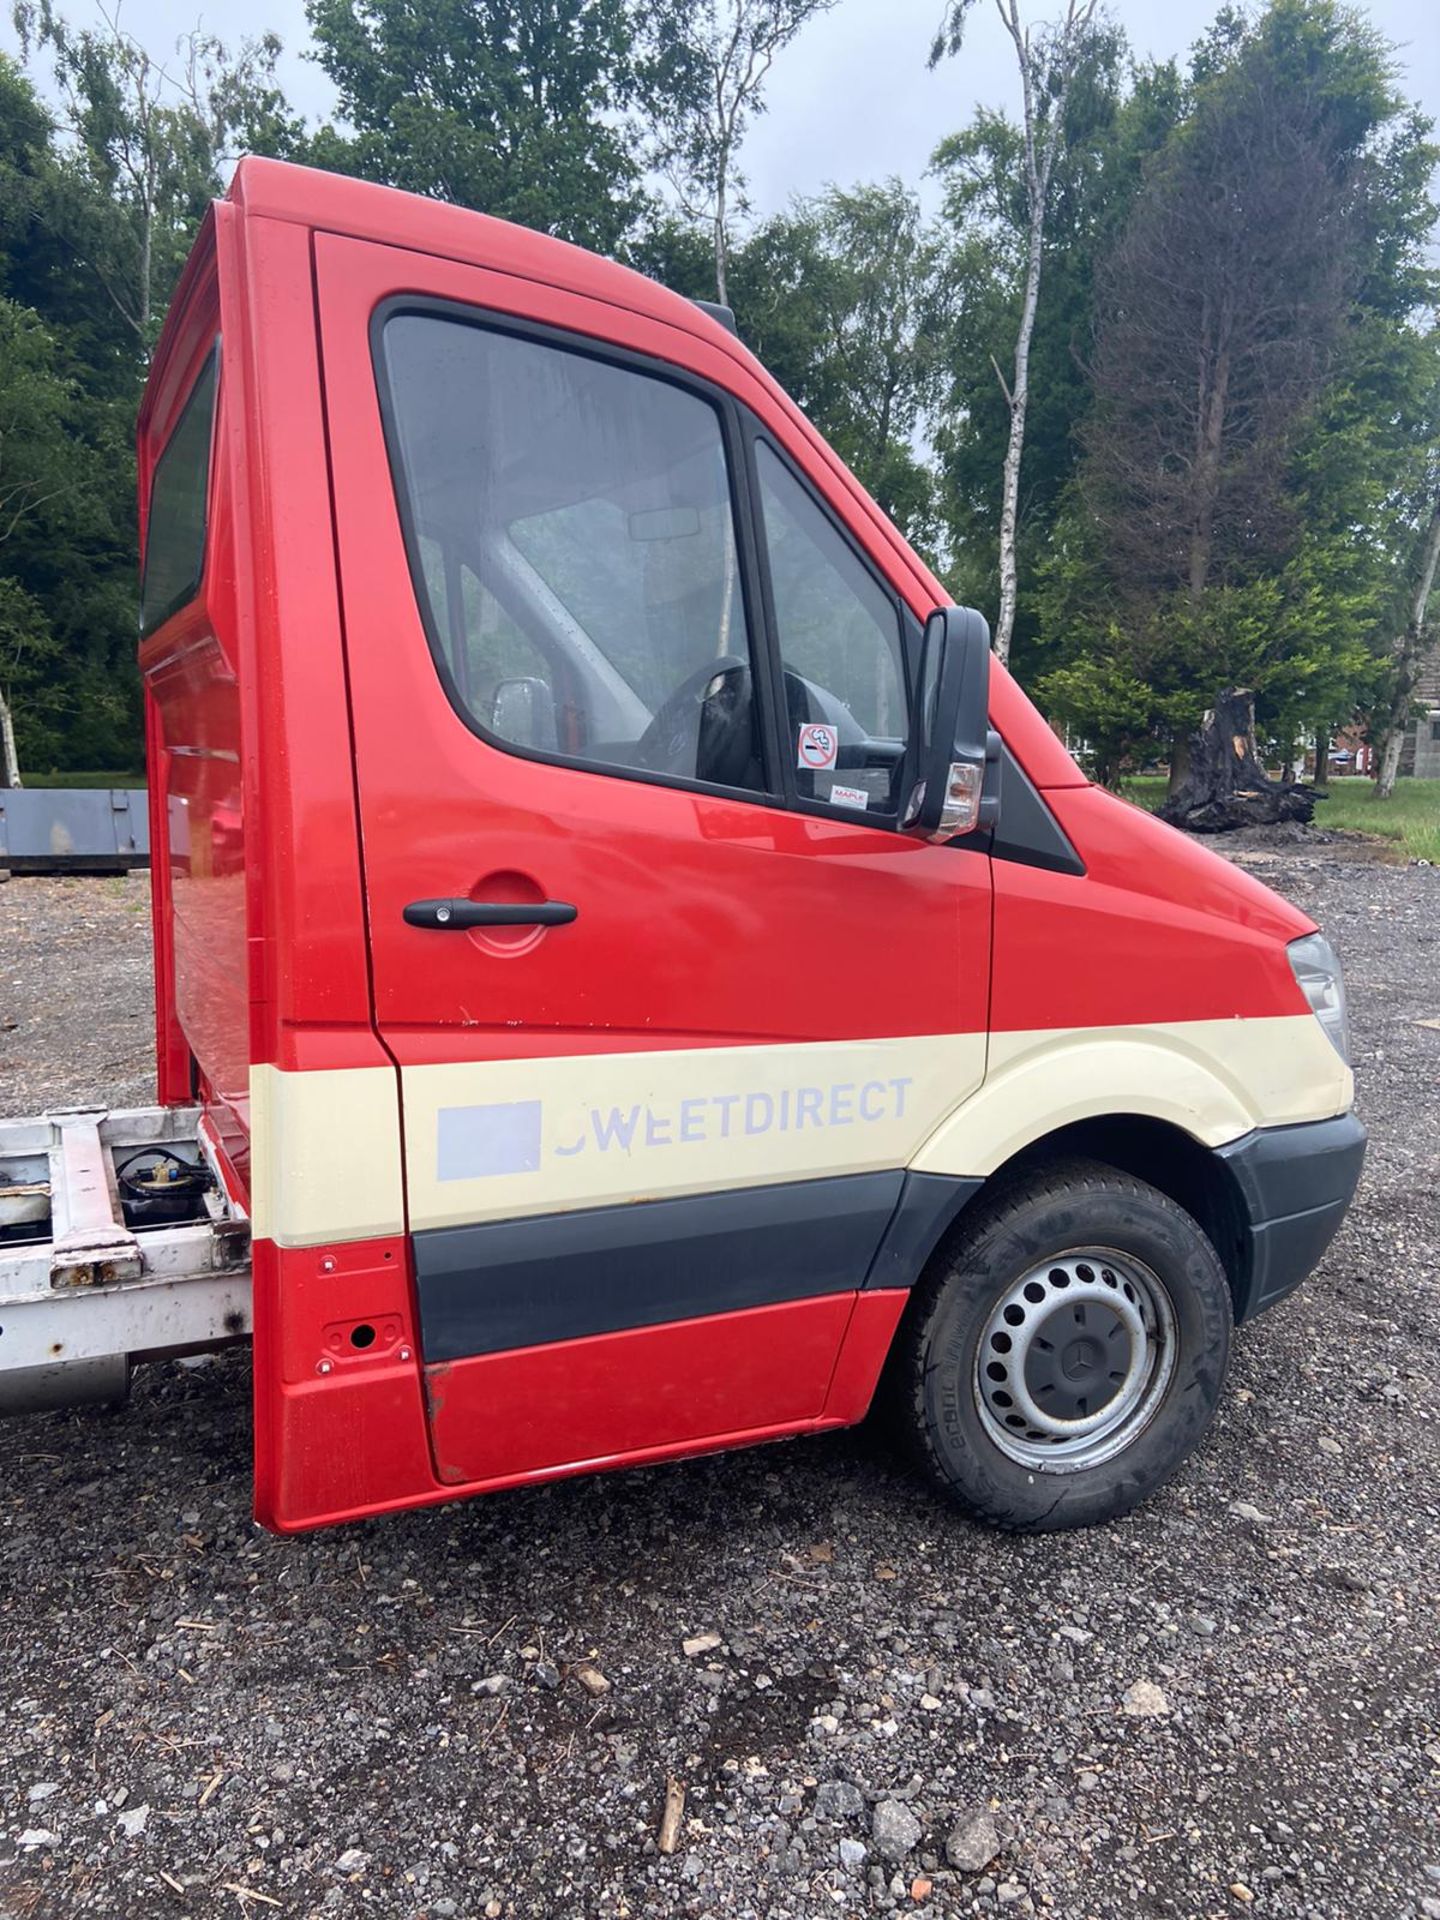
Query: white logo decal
x: 507, y: 1137
x: 705, y: 1118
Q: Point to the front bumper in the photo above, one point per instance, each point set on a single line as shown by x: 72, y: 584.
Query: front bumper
x: 1295, y: 1184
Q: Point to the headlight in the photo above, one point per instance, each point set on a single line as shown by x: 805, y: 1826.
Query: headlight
x: 1318, y: 976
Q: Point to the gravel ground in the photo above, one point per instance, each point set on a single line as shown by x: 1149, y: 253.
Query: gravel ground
x: 76, y: 1018
x: 1229, y: 1701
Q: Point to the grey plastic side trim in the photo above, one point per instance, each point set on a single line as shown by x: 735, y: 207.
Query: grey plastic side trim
x: 505, y: 1284
x: 928, y: 1207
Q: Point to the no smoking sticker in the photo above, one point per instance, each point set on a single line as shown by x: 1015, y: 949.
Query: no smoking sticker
x: 819, y: 746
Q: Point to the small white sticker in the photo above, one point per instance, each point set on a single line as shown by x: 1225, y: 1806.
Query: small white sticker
x: 849, y: 796
x: 819, y: 746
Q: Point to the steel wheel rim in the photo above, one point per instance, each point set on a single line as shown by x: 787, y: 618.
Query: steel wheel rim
x: 1074, y: 1359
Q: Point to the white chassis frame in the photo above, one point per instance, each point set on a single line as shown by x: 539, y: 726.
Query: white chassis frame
x: 78, y: 1307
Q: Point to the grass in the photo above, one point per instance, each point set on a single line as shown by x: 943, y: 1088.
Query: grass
x: 1145, y: 789
x: 86, y: 779
x: 1411, y: 816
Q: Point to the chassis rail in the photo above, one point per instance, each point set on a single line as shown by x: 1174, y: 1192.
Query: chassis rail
x: 83, y: 1293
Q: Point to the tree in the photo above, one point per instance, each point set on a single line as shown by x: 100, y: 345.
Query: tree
x: 1228, y: 786
x: 149, y: 145
x: 840, y: 297
x: 1252, y: 407
x: 1115, y: 118
x: 99, y: 202
x: 1047, y: 61
x: 41, y: 469
x: 1222, y: 306
x: 1411, y: 646
x: 521, y: 108
x: 716, y: 55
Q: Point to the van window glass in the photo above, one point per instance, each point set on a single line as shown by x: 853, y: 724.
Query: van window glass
x: 571, y: 542
x: 175, y: 530
x: 839, y: 636
x: 481, y: 645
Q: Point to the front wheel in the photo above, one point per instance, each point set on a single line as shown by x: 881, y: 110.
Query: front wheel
x: 1068, y: 1353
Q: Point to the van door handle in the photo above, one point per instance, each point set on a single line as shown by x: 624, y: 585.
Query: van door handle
x: 454, y: 916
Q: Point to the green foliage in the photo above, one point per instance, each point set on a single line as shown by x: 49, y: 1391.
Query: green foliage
x: 99, y: 202
x: 674, y: 251
x: 521, y: 108
x: 147, y: 146
x: 133, y: 778
x: 840, y: 297
x: 27, y: 656
x: 1114, y: 119
x: 600, y: 121
x: 1133, y: 685
x: 1259, y: 549
x: 52, y: 510
x: 710, y: 63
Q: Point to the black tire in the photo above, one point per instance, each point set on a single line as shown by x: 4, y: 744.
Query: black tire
x: 936, y: 1384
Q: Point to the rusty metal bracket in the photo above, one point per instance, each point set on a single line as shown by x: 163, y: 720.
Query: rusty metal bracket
x: 90, y: 1245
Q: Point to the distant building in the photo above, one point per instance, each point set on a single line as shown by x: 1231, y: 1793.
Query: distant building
x: 1421, y: 753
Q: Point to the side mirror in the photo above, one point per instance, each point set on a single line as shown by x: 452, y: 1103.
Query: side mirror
x: 957, y: 762
x: 523, y: 712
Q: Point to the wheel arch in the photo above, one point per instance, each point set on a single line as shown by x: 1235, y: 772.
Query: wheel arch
x: 1147, y: 1148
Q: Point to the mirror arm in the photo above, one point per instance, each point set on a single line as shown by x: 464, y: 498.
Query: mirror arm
x: 991, y: 792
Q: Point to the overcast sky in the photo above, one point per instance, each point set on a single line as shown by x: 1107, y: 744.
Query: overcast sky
x: 850, y: 99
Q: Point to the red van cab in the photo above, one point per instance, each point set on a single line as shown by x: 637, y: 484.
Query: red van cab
x: 649, y: 977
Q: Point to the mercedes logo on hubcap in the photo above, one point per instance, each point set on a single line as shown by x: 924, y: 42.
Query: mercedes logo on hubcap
x: 1080, y: 1357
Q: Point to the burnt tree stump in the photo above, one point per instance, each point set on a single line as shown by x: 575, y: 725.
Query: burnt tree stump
x: 1226, y: 785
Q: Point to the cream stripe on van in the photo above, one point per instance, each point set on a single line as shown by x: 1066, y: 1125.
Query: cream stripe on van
x: 504, y: 1139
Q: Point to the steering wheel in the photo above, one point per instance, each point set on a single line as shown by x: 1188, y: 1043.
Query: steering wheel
x: 673, y: 743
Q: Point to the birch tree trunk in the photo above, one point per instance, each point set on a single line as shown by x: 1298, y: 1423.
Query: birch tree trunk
x: 9, y: 759
x: 1388, y: 767
x: 721, y: 248
x: 1409, y: 653
x: 1043, y: 69
x: 1019, y: 398
x: 725, y: 111
x: 727, y: 48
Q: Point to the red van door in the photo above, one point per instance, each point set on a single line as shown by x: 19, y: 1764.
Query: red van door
x: 672, y: 999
